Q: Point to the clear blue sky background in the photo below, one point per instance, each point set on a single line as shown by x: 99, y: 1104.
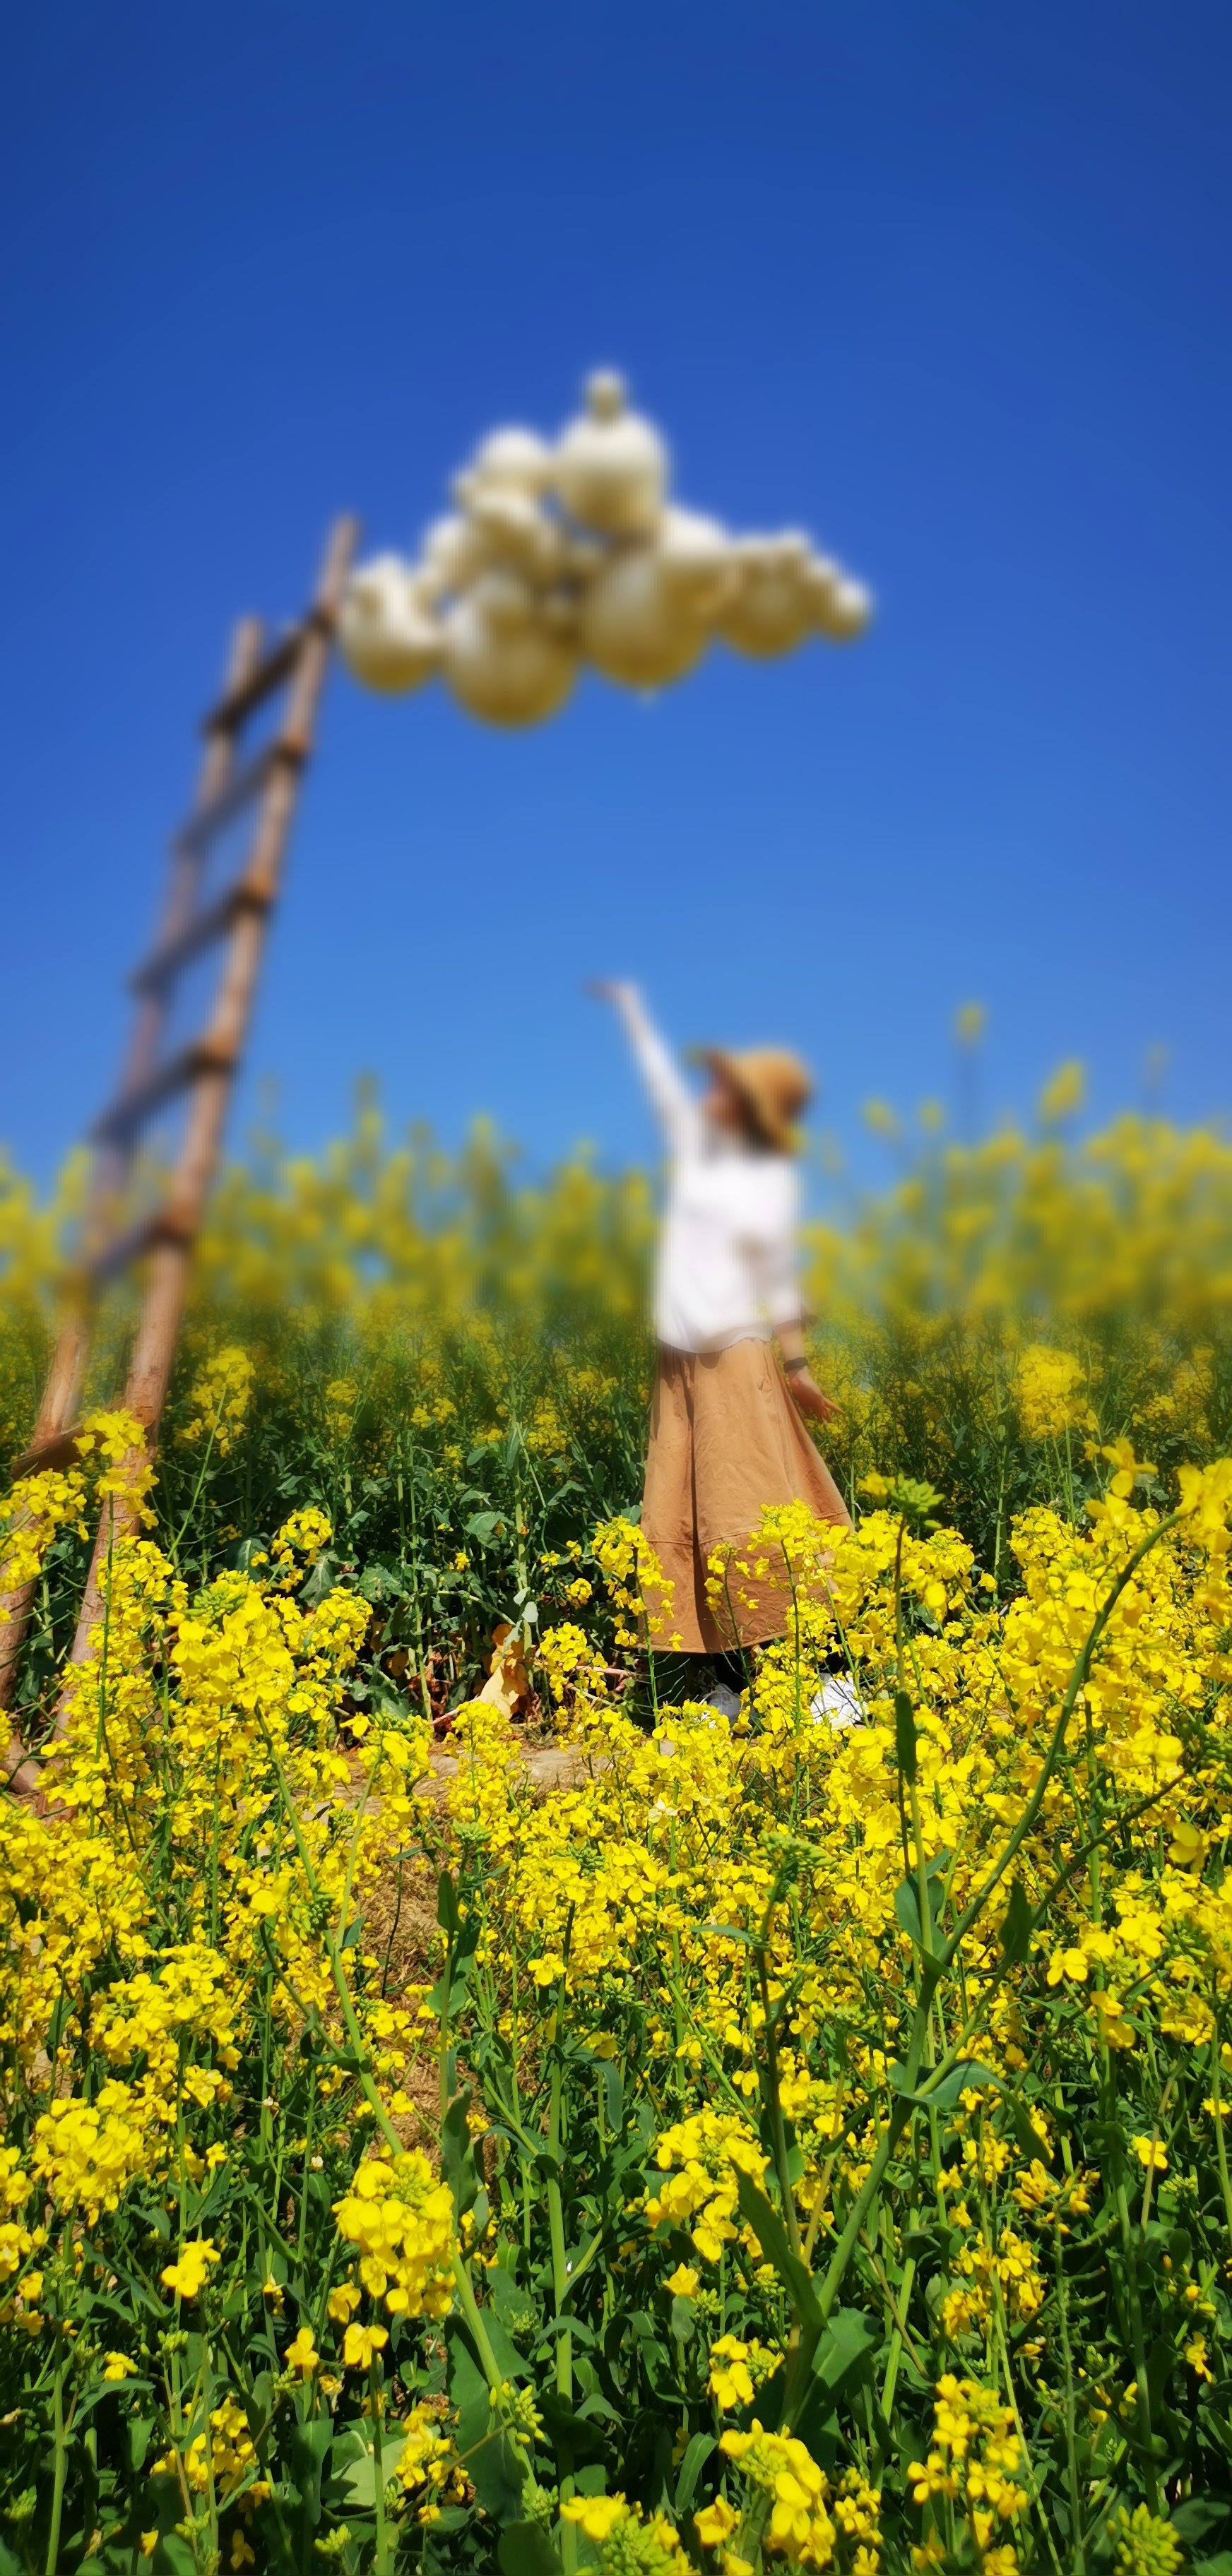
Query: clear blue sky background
x: 947, y: 284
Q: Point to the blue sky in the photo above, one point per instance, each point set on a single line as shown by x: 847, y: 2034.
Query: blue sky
x: 948, y: 285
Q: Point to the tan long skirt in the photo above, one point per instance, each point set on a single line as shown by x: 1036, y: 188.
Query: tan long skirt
x: 725, y: 1440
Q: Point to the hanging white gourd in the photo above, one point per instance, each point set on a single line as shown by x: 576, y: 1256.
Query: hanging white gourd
x: 455, y: 552
x: 513, y: 529
x: 698, y: 558
x: 513, y: 460
x: 610, y: 468
x: 555, y: 554
x: 503, y: 661
x: 842, y: 608
x: 769, y: 610
x: 636, y: 626
x: 385, y: 633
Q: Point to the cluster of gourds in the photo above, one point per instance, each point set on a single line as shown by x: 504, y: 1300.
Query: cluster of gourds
x: 561, y: 555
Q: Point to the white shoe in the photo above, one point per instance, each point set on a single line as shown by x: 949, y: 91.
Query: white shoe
x: 838, y: 1704
x: 724, y: 1698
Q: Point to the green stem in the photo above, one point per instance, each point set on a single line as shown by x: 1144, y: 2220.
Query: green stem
x: 60, y: 2472
x: 375, y: 2400
x: 560, y: 2292
x: 1221, y: 2150
x: 1077, y: 2541
x: 774, y: 2104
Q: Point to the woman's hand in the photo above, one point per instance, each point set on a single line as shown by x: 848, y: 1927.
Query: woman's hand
x: 604, y: 988
x: 810, y: 1398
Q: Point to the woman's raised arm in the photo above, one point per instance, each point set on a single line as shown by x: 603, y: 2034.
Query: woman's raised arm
x: 677, y: 1110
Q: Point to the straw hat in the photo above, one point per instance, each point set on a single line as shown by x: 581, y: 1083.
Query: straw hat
x: 772, y: 1083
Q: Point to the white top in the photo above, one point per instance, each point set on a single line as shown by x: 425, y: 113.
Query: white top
x: 727, y: 1255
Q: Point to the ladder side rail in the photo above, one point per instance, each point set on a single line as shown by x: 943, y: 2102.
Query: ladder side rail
x: 153, y: 1355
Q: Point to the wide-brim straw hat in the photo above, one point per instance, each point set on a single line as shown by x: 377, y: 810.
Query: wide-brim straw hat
x: 774, y: 1085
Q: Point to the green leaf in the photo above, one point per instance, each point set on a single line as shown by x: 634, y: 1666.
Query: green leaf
x: 1016, y: 1928
x: 259, y: 2399
x: 173, y: 2557
x: 907, y: 1908
x: 772, y: 2237
x: 138, y: 2429
x: 447, y: 1905
x: 1034, y: 2147
x: 967, y: 2077
x: 492, y: 2463
x: 505, y: 2353
x: 904, y: 1736
x: 575, y: 2425
x: 359, y: 2477
x: 691, y: 2467
x: 614, y: 2096
x: 524, y: 2549
x: 849, y: 2338
x: 309, y: 2446
x: 458, y: 2153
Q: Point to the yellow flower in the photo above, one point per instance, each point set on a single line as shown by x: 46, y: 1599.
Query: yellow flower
x: 116, y: 2365
x: 301, y: 2353
x: 187, y: 2276
x: 729, y: 2372
x: 1187, y: 1849
x: 1065, y: 1092
x: 683, y: 2281
x: 715, y: 2523
x: 361, y: 2346
x: 1150, y: 2154
x: 598, y: 2515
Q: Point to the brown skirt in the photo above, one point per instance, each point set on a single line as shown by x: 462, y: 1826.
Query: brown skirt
x: 725, y: 1440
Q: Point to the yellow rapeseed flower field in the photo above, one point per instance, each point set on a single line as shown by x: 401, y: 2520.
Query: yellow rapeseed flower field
x: 797, y: 2135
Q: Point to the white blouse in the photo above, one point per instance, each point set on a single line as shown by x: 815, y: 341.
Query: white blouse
x: 727, y: 1254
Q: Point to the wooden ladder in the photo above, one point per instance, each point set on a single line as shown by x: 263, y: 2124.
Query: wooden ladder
x: 235, y: 920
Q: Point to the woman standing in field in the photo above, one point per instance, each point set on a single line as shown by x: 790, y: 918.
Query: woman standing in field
x: 727, y: 1436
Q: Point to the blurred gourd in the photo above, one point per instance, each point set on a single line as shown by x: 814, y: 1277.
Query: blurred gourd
x: 386, y: 634
x: 636, y: 625
x: 556, y: 554
x: 610, y: 468
x: 513, y: 460
x: 698, y: 559
x: 769, y: 610
x: 842, y: 609
x: 512, y: 528
x: 503, y: 660
x: 455, y: 552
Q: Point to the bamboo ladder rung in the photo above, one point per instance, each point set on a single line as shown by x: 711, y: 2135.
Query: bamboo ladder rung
x: 59, y: 1449
x: 236, y: 704
x: 206, y: 821
x: 130, y: 1111
x: 163, y: 1225
x: 163, y: 964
